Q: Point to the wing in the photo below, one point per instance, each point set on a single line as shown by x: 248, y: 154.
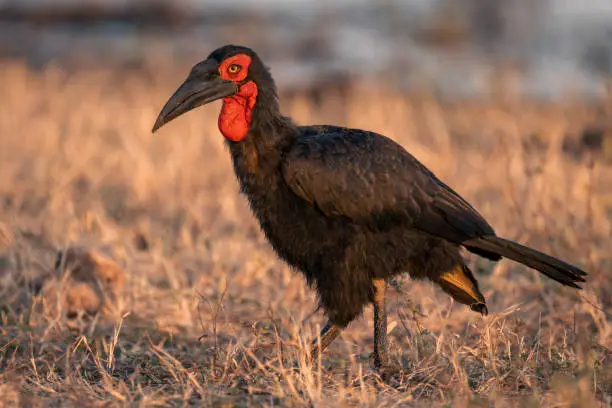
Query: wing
x: 368, y: 178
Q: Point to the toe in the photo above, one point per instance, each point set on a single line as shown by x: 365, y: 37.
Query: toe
x: 387, y: 371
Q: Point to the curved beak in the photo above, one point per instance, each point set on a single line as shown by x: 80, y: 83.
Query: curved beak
x: 192, y: 93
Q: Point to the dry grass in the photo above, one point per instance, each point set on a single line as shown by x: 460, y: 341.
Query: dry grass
x: 210, y: 316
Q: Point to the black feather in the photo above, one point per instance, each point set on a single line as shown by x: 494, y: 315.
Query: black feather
x: 553, y: 268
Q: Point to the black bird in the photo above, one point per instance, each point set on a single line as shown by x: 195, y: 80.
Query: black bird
x: 346, y: 207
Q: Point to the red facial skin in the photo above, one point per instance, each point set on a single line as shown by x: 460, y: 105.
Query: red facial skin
x: 236, y: 113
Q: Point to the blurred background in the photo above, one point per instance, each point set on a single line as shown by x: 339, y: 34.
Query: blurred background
x: 166, y: 274
x: 548, y: 47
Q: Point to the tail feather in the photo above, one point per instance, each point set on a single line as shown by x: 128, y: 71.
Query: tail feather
x: 556, y: 269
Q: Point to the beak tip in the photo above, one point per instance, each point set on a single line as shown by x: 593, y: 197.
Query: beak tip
x: 158, y: 123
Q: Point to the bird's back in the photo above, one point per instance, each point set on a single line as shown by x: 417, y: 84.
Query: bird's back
x: 366, y: 177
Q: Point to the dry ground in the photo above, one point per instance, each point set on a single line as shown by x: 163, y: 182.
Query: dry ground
x: 209, y: 316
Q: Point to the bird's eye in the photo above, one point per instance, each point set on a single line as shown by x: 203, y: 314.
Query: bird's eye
x: 234, y: 69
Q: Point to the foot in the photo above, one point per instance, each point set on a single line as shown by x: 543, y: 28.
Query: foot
x: 310, y: 363
x: 388, y: 370
x: 383, y: 365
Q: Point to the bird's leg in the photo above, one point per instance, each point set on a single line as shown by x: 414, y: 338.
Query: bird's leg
x: 381, y: 355
x: 327, y: 336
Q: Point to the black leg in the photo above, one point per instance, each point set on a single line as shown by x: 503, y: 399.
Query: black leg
x: 329, y: 333
x: 381, y: 357
x: 381, y: 354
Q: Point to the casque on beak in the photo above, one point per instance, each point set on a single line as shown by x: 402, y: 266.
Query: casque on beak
x: 201, y: 87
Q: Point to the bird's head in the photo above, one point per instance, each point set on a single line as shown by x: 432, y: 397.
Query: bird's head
x: 232, y: 73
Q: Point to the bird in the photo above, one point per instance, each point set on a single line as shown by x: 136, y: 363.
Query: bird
x: 349, y: 209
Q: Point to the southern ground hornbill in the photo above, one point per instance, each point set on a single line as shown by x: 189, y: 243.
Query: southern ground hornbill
x: 346, y: 207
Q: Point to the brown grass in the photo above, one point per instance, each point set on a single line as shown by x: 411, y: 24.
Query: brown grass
x: 211, y: 317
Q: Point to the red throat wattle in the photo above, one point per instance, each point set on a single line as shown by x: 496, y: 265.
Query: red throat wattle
x: 237, y: 112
